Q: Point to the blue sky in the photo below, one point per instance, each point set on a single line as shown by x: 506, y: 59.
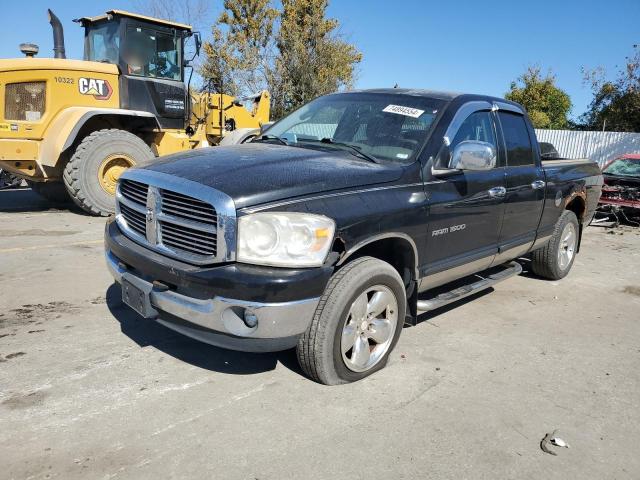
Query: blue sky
x: 462, y: 45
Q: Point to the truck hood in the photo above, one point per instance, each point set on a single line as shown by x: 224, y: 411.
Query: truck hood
x: 258, y: 173
x: 61, y: 64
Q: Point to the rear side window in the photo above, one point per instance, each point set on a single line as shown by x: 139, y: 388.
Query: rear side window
x: 516, y: 138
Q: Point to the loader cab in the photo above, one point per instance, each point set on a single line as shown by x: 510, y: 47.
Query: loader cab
x: 150, y: 55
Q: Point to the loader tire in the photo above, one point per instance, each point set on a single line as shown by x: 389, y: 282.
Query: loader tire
x: 55, y: 192
x: 98, y: 161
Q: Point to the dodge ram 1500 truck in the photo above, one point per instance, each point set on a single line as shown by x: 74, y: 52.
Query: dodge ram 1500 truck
x: 342, y: 222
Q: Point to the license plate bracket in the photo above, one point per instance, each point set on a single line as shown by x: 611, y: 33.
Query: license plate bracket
x: 137, y: 296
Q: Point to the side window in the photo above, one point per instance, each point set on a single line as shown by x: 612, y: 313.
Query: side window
x: 477, y: 126
x: 152, y: 54
x: 516, y: 138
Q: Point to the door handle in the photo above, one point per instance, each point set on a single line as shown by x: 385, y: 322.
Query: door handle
x: 497, y: 192
x: 538, y: 184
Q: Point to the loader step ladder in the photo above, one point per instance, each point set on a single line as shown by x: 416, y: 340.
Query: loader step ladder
x: 477, y: 283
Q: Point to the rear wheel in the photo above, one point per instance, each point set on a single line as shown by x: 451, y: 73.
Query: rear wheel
x: 92, y: 173
x: 555, y: 259
x: 356, y: 325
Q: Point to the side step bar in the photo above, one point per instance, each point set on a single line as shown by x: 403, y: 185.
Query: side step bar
x: 511, y: 269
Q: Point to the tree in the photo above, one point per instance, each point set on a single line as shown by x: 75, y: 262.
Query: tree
x: 239, y: 56
x: 548, y: 106
x: 616, y: 103
x: 295, y: 52
x: 192, y: 12
x: 313, y: 59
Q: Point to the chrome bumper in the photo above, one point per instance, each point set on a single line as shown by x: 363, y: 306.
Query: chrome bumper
x: 223, y: 315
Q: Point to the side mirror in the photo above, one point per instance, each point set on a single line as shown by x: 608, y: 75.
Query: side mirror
x: 473, y: 155
x: 265, y: 126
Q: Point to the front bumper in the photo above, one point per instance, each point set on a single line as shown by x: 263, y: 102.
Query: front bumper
x: 213, y: 318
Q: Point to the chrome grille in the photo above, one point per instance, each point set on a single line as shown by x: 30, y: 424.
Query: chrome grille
x: 188, y: 239
x: 189, y: 208
x: 24, y: 101
x: 170, y: 221
x: 134, y: 191
x: 135, y: 220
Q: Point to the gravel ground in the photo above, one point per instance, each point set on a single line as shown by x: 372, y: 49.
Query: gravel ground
x: 88, y: 390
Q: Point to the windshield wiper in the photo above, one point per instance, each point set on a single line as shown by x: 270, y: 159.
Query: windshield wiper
x: 271, y: 137
x: 352, y: 148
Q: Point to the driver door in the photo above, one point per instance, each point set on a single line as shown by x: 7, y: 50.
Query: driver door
x: 152, y: 75
x: 466, y: 210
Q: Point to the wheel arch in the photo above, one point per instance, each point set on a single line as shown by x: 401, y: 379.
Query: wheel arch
x: 578, y: 206
x: 386, y: 247
x: 74, y: 123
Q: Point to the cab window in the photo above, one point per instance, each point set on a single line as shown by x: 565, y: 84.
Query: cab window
x: 516, y: 139
x: 479, y: 127
x: 152, y: 54
x: 102, y: 43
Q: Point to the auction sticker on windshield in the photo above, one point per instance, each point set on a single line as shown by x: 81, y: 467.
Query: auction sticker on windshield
x: 406, y: 111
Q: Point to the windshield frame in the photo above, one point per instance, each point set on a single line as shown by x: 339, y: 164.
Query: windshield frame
x: 432, y: 106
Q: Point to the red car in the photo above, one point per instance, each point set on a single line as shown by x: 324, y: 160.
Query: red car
x: 622, y: 182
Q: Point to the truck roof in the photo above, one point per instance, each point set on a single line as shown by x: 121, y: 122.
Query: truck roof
x: 439, y: 95
x: 123, y: 13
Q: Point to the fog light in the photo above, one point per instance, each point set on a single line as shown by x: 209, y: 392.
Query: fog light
x: 250, y: 319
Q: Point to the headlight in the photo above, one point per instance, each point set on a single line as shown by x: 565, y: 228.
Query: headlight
x: 284, y: 239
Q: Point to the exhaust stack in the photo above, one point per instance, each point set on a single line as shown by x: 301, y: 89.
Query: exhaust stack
x: 58, y: 35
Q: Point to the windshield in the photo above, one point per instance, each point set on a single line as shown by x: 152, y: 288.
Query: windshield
x: 102, y: 43
x: 624, y: 167
x: 390, y: 127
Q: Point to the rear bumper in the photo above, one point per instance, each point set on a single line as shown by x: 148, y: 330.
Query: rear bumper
x: 218, y: 318
x: 20, y: 157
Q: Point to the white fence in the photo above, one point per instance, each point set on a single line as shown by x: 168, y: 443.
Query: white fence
x: 597, y: 146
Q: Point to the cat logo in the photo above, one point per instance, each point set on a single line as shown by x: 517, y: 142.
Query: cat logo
x: 100, y: 89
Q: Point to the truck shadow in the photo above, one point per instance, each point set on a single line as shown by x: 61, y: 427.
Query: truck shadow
x: 150, y: 333
x: 24, y: 200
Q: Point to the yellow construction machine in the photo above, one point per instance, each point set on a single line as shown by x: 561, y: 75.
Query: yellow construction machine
x: 71, y: 127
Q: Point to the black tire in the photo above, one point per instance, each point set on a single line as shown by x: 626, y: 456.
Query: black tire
x: 319, y: 349
x: 55, y: 192
x: 81, y: 172
x: 545, y: 261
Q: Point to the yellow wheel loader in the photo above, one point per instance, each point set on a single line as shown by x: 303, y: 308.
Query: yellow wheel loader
x: 71, y: 127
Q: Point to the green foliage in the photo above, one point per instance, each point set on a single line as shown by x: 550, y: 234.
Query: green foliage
x: 313, y: 60
x: 616, y: 103
x: 295, y: 53
x: 547, y: 105
x: 238, y: 52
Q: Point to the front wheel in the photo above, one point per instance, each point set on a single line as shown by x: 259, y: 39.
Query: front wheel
x: 356, y: 325
x: 555, y: 259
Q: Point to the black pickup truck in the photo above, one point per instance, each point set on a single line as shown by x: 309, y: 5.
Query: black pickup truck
x: 342, y: 222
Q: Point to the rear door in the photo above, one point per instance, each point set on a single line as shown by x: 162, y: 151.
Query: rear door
x: 524, y: 182
x: 465, y: 210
